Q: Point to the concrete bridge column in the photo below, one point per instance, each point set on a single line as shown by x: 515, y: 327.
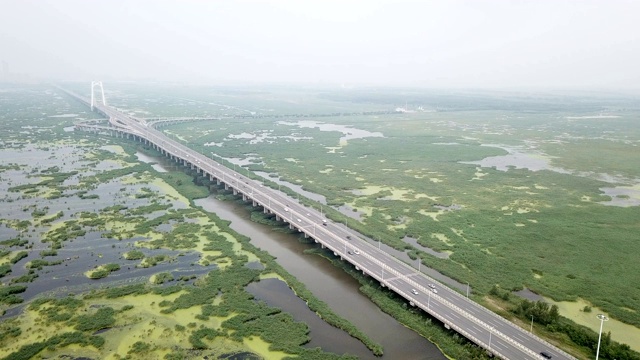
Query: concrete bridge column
x: 218, y: 182
x: 244, y: 197
x: 278, y: 218
x: 254, y: 203
x: 235, y: 191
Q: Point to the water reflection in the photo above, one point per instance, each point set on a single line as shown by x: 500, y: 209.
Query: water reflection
x: 516, y: 159
x: 428, y: 250
x: 277, y: 293
x: 329, y: 283
x: 297, y: 188
x: 348, y: 131
x: 159, y: 167
x: 622, y: 196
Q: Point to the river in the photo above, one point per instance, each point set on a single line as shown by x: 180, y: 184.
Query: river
x: 327, y: 282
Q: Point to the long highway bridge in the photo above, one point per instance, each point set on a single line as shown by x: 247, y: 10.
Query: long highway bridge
x: 495, y: 334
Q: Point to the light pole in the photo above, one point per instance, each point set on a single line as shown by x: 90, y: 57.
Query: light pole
x: 531, y: 330
x: 602, y: 318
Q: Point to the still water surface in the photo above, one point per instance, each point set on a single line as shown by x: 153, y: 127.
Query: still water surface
x: 329, y: 284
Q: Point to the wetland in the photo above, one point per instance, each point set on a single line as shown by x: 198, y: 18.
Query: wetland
x: 91, y: 228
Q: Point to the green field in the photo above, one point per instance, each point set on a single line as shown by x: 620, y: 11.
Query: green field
x: 533, y: 215
x: 512, y: 186
x: 85, y: 209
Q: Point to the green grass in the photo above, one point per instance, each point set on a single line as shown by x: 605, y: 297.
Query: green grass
x: 566, y: 246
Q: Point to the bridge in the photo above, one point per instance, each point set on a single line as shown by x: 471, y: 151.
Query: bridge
x: 473, y: 321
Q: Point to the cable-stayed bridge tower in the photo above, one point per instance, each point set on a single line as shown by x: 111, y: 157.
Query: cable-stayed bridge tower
x: 93, y: 85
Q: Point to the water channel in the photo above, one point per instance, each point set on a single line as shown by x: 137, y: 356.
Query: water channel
x: 330, y: 284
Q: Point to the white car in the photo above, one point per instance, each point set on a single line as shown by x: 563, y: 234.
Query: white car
x: 414, y: 291
x: 432, y: 286
x: 434, y: 291
x: 299, y: 220
x: 355, y: 251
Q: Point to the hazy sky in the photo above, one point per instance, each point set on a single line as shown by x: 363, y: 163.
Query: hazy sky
x: 482, y: 44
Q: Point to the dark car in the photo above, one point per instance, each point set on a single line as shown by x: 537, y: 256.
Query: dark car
x: 546, y: 355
